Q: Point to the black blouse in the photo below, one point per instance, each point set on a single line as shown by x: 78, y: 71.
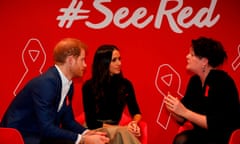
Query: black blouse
x: 218, y: 100
x: 110, y: 105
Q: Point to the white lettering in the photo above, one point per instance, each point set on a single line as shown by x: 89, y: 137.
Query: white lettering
x: 107, y: 12
x: 207, y: 21
x: 184, y: 14
x: 121, y: 14
x: 178, y: 17
x: 161, y: 12
x: 204, y: 12
x: 201, y: 19
x: 139, y: 14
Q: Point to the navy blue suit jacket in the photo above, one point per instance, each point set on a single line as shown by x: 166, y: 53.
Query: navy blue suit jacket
x: 34, y: 110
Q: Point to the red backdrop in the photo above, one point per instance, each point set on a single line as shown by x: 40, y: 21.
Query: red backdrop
x: 154, y: 38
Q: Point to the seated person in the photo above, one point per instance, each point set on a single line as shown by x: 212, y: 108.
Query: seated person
x: 211, y: 101
x: 107, y: 93
x: 42, y: 110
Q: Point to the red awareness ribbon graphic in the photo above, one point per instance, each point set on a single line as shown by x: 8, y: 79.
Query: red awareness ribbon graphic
x: 34, y: 59
x: 236, y: 62
x: 167, y: 80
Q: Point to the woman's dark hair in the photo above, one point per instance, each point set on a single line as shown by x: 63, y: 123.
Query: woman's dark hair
x: 211, y: 49
x: 101, y: 77
x: 101, y: 62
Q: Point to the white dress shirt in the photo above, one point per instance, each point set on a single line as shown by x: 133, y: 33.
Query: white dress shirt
x: 65, y: 88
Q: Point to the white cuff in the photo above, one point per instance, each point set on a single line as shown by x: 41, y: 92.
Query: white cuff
x: 80, y: 137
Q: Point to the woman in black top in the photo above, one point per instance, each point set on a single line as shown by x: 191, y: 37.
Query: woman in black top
x: 107, y: 93
x: 211, y: 100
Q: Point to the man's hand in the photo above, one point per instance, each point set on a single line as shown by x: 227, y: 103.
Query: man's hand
x: 95, y: 137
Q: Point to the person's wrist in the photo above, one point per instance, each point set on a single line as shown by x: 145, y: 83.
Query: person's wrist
x: 82, y: 139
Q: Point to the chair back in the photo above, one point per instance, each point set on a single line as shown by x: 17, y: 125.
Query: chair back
x: 235, y: 137
x: 10, y: 136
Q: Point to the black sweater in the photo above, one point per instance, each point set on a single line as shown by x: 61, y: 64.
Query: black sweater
x: 218, y: 100
x: 109, y: 102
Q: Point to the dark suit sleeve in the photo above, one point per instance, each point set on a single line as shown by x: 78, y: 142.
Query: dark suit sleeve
x: 69, y: 121
x: 45, y: 93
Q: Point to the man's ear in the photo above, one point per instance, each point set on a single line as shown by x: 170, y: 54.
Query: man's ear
x: 69, y: 59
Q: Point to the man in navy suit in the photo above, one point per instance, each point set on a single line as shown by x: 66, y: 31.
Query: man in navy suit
x: 42, y: 110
